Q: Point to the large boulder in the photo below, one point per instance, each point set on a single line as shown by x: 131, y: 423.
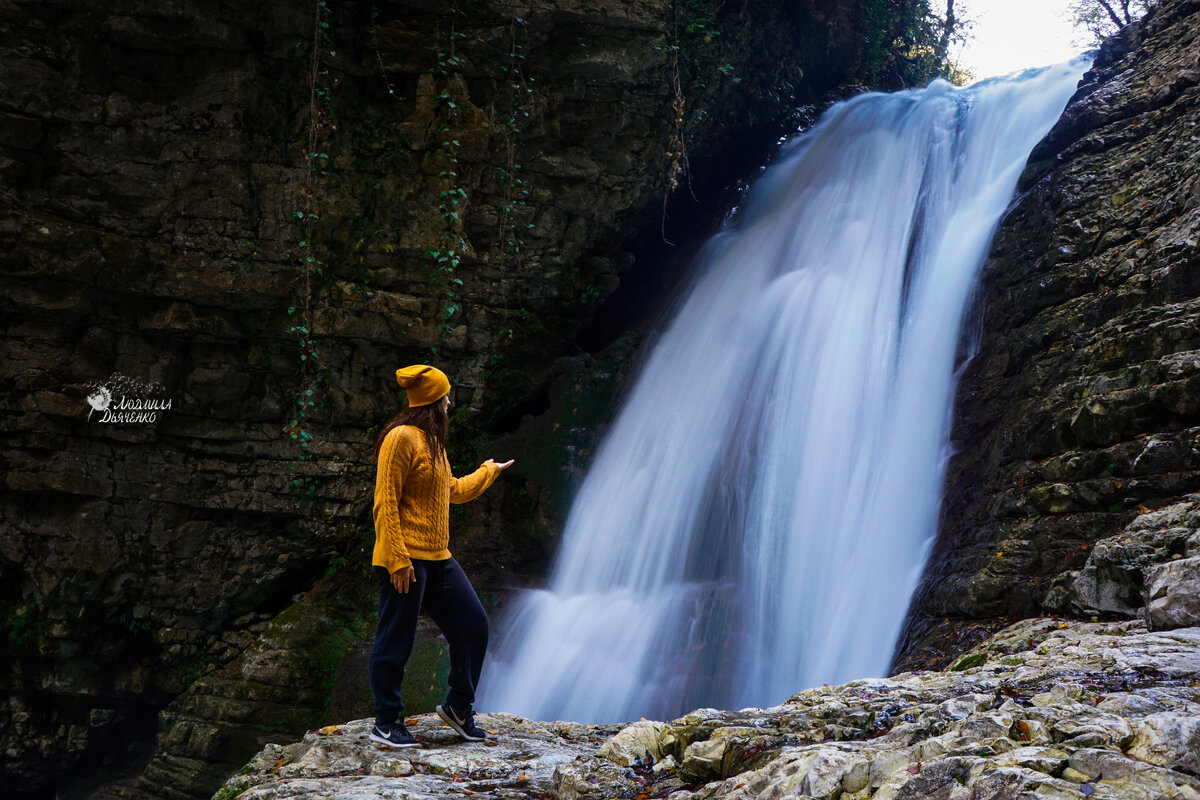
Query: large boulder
x: 1114, y: 580
x: 1173, y: 595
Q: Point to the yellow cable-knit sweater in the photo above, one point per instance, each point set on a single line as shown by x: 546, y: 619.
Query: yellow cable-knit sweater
x: 413, y: 497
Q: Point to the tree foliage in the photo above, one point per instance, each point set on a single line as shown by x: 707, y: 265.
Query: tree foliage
x: 908, y: 41
x: 1096, y: 20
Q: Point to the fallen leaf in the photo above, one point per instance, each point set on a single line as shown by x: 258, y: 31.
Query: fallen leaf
x: 329, y: 730
x: 1023, y: 731
x: 915, y: 769
x: 1142, y: 509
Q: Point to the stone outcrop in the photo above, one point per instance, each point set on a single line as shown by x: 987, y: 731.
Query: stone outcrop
x: 1116, y: 577
x: 1049, y: 708
x: 280, y: 683
x: 228, y: 206
x: 1081, y: 409
x: 1173, y: 595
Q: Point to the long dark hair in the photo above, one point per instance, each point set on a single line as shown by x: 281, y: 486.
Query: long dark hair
x: 433, y: 421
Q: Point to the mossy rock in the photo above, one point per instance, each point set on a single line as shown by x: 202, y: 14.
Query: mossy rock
x: 969, y: 661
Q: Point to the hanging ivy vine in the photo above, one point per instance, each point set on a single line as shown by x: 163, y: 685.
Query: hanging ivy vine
x: 306, y: 219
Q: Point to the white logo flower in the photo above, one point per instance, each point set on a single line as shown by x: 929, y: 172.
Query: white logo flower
x: 100, y: 400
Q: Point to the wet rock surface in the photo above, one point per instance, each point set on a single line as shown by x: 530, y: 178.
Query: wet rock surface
x: 1046, y: 708
x: 1081, y: 410
x: 519, y: 761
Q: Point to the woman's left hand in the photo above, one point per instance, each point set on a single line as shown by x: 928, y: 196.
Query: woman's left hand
x: 503, y: 466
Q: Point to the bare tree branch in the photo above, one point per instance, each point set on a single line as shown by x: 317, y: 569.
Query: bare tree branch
x: 1112, y: 14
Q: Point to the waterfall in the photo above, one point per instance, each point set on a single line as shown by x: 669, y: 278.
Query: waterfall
x: 759, y: 514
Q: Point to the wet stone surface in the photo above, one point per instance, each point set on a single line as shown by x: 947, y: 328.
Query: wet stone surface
x: 1048, y: 708
x: 517, y: 761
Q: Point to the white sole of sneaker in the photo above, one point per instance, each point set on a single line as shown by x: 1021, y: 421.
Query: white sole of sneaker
x: 386, y: 743
x: 449, y: 720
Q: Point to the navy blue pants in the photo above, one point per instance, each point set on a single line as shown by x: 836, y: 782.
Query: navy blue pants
x: 444, y: 593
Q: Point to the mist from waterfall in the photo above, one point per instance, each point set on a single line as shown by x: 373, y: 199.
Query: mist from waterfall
x: 760, y: 512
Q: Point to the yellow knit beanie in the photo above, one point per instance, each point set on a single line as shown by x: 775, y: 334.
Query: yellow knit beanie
x: 424, y: 384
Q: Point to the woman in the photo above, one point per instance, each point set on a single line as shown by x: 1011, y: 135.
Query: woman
x: 415, y: 571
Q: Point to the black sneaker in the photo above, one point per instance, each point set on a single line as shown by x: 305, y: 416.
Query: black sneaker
x: 394, y: 735
x: 463, y: 724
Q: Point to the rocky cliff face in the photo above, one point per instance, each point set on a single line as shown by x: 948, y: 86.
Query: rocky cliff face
x: 254, y: 213
x: 1082, y: 408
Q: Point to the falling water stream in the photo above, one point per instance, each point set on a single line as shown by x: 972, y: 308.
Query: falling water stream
x: 760, y: 512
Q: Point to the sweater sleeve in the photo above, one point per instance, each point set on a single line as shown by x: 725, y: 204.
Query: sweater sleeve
x: 394, y: 458
x: 471, y: 486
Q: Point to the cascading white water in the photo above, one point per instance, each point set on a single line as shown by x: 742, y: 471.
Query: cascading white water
x: 758, y: 517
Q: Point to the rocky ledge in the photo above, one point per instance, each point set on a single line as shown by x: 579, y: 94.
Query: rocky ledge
x: 1046, y: 708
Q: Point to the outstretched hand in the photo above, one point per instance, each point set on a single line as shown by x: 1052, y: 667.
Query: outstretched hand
x: 503, y: 466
